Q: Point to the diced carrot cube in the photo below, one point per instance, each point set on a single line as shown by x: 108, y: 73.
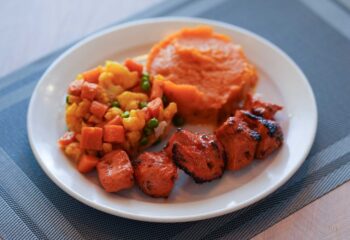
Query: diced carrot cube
x: 117, y: 120
x: 87, y: 163
x: 154, y: 107
x: 92, y: 75
x: 91, y: 138
x: 157, y: 89
x: 89, y: 90
x: 75, y: 87
x: 114, y: 133
x: 67, y: 138
x: 98, y: 109
x: 134, y: 66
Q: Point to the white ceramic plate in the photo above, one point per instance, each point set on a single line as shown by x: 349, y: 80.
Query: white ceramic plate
x: 281, y: 81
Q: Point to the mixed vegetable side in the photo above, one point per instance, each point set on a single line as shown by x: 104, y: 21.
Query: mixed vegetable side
x: 112, y: 107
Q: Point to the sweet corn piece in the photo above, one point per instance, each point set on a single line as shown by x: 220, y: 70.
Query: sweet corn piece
x: 113, y: 91
x: 106, y: 79
x: 73, y: 151
x: 127, y: 97
x: 107, y: 147
x: 134, y: 122
x: 83, y: 108
x: 102, y: 95
x: 112, y: 113
x: 122, y: 75
x: 134, y: 104
x: 170, y: 111
x: 73, y: 121
x: 133, y: 138
x: 79, y: 77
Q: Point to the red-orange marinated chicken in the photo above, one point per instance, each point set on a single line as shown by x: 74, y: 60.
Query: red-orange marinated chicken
x: 155, y: 173
x: 115, y: 171
x: 239, y: 142
x: 270, y: 131
x: 260, y: 108
x: 201, y: 156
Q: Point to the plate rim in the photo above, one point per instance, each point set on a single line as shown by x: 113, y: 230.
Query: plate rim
x: 205, y: 215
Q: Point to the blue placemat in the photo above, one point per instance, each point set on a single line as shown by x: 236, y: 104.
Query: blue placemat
x: 314, y: 33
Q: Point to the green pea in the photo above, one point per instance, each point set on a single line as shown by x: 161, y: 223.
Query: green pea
x: 145, y: 77
x: 144, y: 141
x: 142, y: 104
x: 67, y: 99
x: 125, y: 114
x: 178, y: 121
x: 116, y: 104
x: 147, y: 131
x: 153, y: 123
x: 146, y: 85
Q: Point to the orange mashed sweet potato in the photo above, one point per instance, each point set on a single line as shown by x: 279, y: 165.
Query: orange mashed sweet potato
x: 207, y: 74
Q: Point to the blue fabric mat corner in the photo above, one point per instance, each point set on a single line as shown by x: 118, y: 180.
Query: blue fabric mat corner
x: 312, y: 32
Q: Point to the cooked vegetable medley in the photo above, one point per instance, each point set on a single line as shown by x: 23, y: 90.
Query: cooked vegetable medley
x: 116, y: 106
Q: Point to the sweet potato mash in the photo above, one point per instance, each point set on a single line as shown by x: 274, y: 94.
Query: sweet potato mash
x: 208, y: 75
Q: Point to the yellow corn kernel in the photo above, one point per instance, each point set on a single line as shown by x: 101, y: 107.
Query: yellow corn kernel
x: 123, y: 76
x: 170, y: 111
x: 112, y: 113
x: 72, y: 120
x: 134, y: 104
x: 83, y: 108
x: 126, y: 97
x: 106, y: 79
x: 107, y: 147
x: 113, y: 91
x: 161, y: 114
x: 134, y: 122
x: 79, y: 77
x: 73, y: 151
x: 133, y: 138
x: 102, y: 95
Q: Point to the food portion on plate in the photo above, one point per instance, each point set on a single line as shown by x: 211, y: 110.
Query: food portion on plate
x: 205, y: 69
x: 116, y: 111
x: 115, y: 107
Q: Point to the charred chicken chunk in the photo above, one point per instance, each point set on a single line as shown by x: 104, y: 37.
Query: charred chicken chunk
x: 201, y: 156
x: 239, y: 142
x: 155, y: 173
x: 260, y: 108
x: 270, y: 131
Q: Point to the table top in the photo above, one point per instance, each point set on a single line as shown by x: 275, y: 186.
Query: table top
x: 326, y: 218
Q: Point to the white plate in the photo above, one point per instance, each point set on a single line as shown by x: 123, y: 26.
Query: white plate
x: 281, y: 81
